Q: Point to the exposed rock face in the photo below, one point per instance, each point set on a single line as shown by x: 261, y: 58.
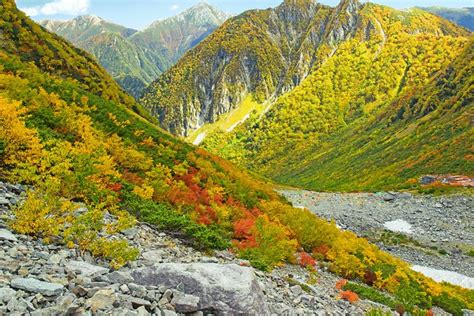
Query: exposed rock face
x: 214, y: 287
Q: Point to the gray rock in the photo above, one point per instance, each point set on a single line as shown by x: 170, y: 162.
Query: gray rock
x: 123, y: 312
x: 6, y: 294
x: 141, y: 311
x: 427, y: 179
x: 36, y: 286
x: 4, y: 201
x: 17, y: 305
x: 387, y: 197
x: 153, y: 255
x: 124, y: 289
x: 63, y: 303
x: 85, y: 269
x: 221, y: 288
x: 185, y: 303
x: 296, y: 289
x: 79, y: 291
x: 137, y: 302
x: 137, y: 290
x: 54, y: 259
x: 121, y: 277
x: 7, y: 235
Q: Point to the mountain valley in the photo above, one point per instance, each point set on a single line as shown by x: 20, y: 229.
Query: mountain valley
x: 223, y: 188
x: 351, y: 72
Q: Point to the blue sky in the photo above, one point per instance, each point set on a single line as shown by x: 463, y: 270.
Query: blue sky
x: 140, y: 13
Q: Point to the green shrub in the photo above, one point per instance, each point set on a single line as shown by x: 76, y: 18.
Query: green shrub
x: 377, y: 312
x: 449, y: 304
x: 164, y: 217
x: 371, y: 294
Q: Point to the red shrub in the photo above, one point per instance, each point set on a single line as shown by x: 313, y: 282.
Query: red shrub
x: 370, y: 277
x: 116, y: 187
x: 306, y: 260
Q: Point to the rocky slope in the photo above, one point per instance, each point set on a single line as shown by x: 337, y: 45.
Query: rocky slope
x: 168, y: 278
x: 460, y: 16
x: 136, y: 58
x: 95, y: 167
x: 173, y: 36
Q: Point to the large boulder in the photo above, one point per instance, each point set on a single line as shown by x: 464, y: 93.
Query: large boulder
x: 221, y: 289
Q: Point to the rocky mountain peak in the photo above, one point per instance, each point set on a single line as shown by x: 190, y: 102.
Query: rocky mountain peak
x: 88, y: 19
x: 200, y: 14
x: 350, y: 4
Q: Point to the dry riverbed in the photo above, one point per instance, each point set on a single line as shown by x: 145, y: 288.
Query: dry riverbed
x: 429, y: 232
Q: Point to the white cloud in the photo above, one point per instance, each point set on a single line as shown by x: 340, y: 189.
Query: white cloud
x: 174, y: 7
x: 67, y: 7
x: 31, y: 11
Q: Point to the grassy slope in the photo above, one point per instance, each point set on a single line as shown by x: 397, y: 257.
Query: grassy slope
x: 425, y: 131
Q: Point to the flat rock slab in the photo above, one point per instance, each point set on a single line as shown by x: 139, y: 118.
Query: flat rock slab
x: 7, y: 235
x: 86, y: 269
x: 37, y: 286
x: 221, y: 288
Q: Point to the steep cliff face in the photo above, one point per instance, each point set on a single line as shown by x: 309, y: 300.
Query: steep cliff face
x: 262, y: 52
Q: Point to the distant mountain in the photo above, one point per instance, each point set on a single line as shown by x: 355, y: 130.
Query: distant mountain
x: 82, y: 28
x: 136, y: 58
x: 172, y: 37
x: 462, y: 16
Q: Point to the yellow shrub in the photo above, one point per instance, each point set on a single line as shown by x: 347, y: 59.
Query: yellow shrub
x: 21, y: 145
x: 144, y: 191
x: 41, y: 215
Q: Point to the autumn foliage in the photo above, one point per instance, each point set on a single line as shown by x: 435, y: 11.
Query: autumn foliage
x: 87, y: 157
x: 349, y: 296
x: 306, y: 260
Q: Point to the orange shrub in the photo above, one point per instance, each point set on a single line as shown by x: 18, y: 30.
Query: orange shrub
x: 341, y: 283
x: 349, y: 296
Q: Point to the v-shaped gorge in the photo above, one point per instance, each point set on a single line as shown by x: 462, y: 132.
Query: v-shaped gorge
x: 359, y: 96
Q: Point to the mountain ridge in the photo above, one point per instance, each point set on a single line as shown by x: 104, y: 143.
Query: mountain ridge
x: 277, y: 55
x: 461, y: 16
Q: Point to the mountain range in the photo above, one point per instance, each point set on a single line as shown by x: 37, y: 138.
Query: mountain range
x: 297, y: 76
x: 461, y: 16
x: 135, y: 58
